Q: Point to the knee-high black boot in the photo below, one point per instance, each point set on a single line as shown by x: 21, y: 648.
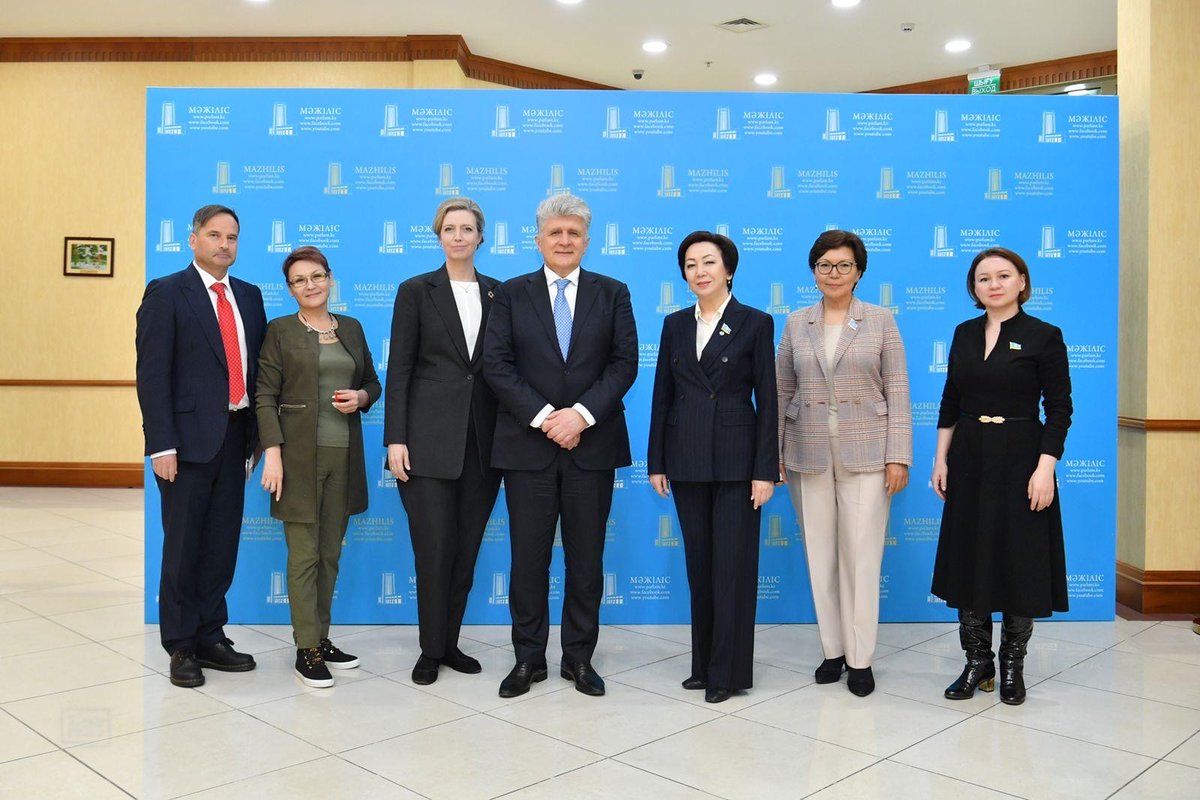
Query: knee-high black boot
x: 975, y: 635
x: 1013, y: 643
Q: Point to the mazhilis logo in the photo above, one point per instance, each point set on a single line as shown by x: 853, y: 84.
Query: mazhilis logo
x: 503, y: 128
x: 501, y: 246
x: 1049, y: 134
x: 391, y: 122
x: 391, y: 244
x: 388, y: 594
x: 1048, y: 248
x: 666, y: 186
x: 887, y: 185
x: 612, y: 124
x: 446, y: 186
x: 779, y: 189
x: 166, y: 238
x: 386, y: 479
x: 223, y: 184
x: 612, y: 241
x: 611, y: 598
x: 499, y: 593
x: 279, y: 242
x: 887, y: 298
x: 666, y: 298
x: 995, y: 190
x: 333, y: 183
x: 941, y: 243
x: 941, y: 357
x: 666, y: 532
x: 278, y: 594
x: 941, y: 127
x: 279, y: 124
x: 775, y: 534
x: 833, y: 126
x: 385, y: 352
x: 724, y: 132
x: 778, y: 303
x: 168, y: 125
x: 557, y: 181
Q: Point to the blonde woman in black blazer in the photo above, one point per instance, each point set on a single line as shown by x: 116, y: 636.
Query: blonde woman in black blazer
x: 438, y: 425
x: 713, y: 440
x: 315, y: 379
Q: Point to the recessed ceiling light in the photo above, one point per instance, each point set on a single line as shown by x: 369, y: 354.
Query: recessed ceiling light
x: 569, y: 2
x: 845, y: 3
x: 1074, y: 87
x: 654, y: 46
x: 765, y: 79
x: 957, y: 46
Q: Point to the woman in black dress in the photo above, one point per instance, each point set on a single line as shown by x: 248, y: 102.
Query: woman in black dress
x: 1001, y: 542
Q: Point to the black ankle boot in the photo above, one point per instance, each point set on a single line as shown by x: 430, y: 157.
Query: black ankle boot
x: 975, y: 635
x: 1014, y: 641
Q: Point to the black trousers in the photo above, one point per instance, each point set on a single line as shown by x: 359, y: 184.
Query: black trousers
x: 537, y: 501
x: 446, y: 520
x: 720, y: 538
x: 202, y: 524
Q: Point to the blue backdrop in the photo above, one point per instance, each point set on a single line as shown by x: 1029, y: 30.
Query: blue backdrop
x: 926, y: 181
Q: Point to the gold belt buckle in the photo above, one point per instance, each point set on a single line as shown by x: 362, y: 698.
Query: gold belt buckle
x: 985, y: 418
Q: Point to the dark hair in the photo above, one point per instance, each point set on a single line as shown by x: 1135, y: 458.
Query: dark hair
x: 1010, y: 257
x: 306, y: 253
x: 729, y: 251
x: 832, y: 240
x: 205, y: 213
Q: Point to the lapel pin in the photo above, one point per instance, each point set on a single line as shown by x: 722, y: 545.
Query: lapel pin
x: 725, y: 329
x: 853, y: 323
x: 1014, y: 345
x: 491, y: 295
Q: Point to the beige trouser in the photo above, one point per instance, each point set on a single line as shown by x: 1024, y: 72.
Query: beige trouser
x: 845, y: 517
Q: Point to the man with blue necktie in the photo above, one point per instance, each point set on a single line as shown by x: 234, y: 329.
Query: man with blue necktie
x: 560, y: 353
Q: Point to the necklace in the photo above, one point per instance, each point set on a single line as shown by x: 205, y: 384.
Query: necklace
x: 322, y: 336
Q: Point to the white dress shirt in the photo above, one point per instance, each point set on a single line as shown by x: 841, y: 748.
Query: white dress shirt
x: 706, y: 327
x: 552, y: 291
x: 470, y: 311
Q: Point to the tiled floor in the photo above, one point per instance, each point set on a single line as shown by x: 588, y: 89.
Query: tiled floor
x: 86, y: 711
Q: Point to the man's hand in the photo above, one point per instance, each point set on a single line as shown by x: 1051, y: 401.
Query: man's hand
x: 563, y: 426
x: 398, y: 463
x: 166, y: 467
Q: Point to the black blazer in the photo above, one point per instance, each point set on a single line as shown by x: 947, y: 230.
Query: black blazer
x: 703, y: 425
x: 433, y: 387
x: 182, y: 379
x: 525, y: 369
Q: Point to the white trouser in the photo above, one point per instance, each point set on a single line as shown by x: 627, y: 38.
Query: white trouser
x: 845, y: 517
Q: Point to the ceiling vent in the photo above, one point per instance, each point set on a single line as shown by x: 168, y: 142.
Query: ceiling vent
x: 742, y: 25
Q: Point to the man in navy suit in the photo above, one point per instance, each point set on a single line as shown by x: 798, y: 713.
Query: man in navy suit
x: 198, y: 336
x: 560, y: 352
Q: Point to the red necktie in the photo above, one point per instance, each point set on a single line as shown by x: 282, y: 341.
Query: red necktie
x: 229, y: 337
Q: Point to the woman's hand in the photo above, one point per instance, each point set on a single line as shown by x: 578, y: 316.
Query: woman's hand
x: 895, y: 477
x: 1041, y: 484
x: 659, y: 482
x: 272, y: 479
x: 939, y: 478
x: 398, y: 461
x: 760, y: 492
x: 348, y: 401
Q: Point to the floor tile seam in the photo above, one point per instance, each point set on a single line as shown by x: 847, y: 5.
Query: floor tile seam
x: 164, y: 670
x: 675, y: 781
x: 85, y: 639
x: 890, y: 760
x: 343, y: 753
x: 99, y: 774
x: 29, y: 728
x: 430, y: 693
x: 633, y: 629
x: 666, y: 736
x: 86, y: 643
x: 646, y: 664
x: 872, y: 765
x: 145, y: 729
x: 43, y: 615
x: 933, y: 704
x: 1058, y: 735
x: 139, y: 603
x: 1123, y: 786
x: 597, y: 754
x: 893, y: 756
x: 251, y: 626
x: 1160, y: 657
x: 1061, y: 677
x: 876, y: 756
x: 60, y: 559
x: 370, y: 771
x: 244, y: 712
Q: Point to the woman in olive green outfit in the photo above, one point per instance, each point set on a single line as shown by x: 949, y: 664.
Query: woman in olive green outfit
x: 315, y: 378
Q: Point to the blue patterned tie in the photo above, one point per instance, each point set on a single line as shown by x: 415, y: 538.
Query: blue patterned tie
x: 562, y: 317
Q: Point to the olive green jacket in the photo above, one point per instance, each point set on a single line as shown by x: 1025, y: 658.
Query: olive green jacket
x: 286, y: 403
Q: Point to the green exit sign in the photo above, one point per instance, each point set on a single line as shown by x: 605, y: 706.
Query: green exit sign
x: 986, y: 82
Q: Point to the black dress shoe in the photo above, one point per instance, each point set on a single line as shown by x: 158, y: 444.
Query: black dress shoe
x: 426, y: 670
x: 695, y: 683
x: 221, y: 656
x: 586, y: 679
x: 715, y: 695
x: 830, y: 670
x: 185, y: 671
x: 860, y: 682
x: 523, y: 674
x: 458, y: 661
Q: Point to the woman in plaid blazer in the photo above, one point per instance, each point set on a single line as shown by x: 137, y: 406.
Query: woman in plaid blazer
x: 845, y: 446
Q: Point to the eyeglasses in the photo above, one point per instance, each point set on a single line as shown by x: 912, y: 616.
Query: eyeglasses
x: 317, y: 278
x: 843, y: 267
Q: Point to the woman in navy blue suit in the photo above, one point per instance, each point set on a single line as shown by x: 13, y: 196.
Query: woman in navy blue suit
x: 713, y: 439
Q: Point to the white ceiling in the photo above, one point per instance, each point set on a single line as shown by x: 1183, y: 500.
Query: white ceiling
x: 811, y: 45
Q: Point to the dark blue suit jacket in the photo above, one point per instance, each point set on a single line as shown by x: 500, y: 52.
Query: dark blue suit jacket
x: 182, y: 379
x: 523, y: 365
x: 703, y: 425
